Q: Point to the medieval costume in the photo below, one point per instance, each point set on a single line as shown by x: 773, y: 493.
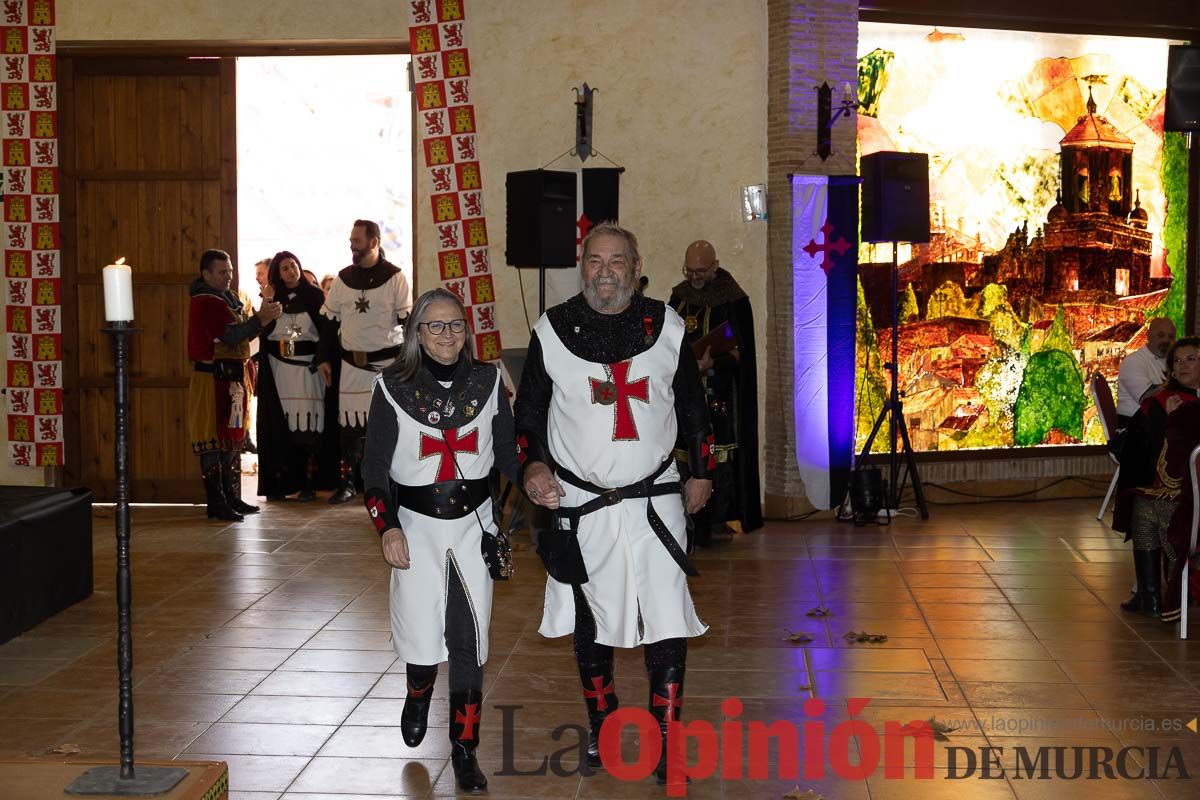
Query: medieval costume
x: 1173, y: 482
x: 361, y: 312
x: 731, y: 388
x: 431, y: 444
x: 219, y: 333
x: 1154, y: 454
x: 603, y: 399
x: 293, y: 407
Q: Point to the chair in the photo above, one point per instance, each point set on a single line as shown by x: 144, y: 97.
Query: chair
x: 1194, y: 466
x: 1106, y: 409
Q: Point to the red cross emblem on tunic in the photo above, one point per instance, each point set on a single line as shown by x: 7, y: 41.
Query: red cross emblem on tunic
x: 468, y: 720
x: 445, y: 448
x: 672, y: 701
x: 617, y: 391
x: 599, y: 693
x: 840, y: 247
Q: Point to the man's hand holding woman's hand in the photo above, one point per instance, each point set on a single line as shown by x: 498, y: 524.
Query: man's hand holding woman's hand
x: 541, y: 485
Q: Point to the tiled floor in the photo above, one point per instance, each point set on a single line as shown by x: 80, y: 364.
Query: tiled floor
x: 266, y: 644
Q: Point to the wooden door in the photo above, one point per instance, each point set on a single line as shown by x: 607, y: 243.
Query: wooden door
x: 149, y: 173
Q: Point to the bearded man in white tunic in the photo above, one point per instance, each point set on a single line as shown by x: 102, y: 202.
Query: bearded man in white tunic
x: 607, y: 390
x: 365, y: 302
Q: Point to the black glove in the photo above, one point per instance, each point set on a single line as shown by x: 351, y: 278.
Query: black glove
x: 497, y: 554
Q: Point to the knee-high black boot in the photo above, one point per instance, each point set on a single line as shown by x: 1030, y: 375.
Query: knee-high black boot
x: 466, y: 711
x: 600, y: 694
x: 666, y: 705
x: 214, y: 491
x: 414, y: 719
x: 231, y: 479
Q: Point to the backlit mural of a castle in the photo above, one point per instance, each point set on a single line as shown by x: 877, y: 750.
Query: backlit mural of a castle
x: 1047, y: 256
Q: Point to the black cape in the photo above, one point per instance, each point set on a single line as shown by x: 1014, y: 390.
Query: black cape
x: 723, y: 299
x: 281, y: 463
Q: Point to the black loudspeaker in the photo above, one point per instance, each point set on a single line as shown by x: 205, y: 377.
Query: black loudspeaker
x: 895, y: 197
x: 540, y: 219
x: 1183, y: 88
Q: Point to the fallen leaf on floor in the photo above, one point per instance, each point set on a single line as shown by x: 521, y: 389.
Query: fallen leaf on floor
x: 863, y: 636
x: 797, y: 638
x: 798, y: 794
x: 940, y: 729
x: 820, y: 611
x: 66, y: 750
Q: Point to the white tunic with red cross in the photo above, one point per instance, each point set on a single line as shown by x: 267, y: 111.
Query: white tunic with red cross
x: 613, y: 425
x: 418, y: 594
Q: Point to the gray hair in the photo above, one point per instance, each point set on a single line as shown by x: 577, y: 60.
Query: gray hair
x: 611, y: 229
x: 406, y: 366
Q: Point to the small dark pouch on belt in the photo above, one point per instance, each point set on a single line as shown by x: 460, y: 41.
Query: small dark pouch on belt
x: 224, y: 369
x: 560, y: 553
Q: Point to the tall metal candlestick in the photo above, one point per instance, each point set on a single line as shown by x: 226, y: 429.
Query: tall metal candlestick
x: 123, y: 780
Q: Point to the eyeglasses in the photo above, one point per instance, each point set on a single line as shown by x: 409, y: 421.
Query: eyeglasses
x: 697, y: 272
x: 437, y: 327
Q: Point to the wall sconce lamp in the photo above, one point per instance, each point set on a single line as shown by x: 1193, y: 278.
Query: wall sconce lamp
x: 827, y: 115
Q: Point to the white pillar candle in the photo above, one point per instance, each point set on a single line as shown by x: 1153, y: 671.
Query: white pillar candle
x: 118, y: 292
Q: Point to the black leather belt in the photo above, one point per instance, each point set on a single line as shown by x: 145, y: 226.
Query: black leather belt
x: 445, y: 499
x: 646, y: 488
x: 362, y: 360
x: 287, y: 348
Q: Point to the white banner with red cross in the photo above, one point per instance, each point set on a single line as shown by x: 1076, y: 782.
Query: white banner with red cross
x: 446, y: 126
x: 32, y: 270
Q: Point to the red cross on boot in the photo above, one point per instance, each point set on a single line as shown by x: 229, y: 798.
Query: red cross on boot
x: 666, y: 705
x: 600, y: 693
x: 465, y: 712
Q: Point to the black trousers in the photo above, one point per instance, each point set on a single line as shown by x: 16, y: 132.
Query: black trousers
x: 465, y: 672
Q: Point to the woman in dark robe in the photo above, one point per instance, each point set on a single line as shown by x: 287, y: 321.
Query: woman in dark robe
x: 1154, y: 473
x: 293, y: 408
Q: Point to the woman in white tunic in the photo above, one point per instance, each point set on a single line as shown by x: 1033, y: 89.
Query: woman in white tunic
x: 291, y: 393
x: 438, y: 424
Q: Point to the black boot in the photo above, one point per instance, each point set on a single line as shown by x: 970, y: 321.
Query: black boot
x: 415, y: 717
x: 600, y: 693
x: 1149, y: 571
x: 310, y: 469
x: 231, y: 479
x: 666, y: 705
x: 466, y: 709
x: 214, y: 492
x: 346, y: 491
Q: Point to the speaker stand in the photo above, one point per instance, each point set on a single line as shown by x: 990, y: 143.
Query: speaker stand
x: 893, y: 413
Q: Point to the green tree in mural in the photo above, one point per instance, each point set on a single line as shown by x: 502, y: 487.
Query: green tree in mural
x: 998, y: 383
x: 909, y: 310
x: 869, y: 378
x: 1057, y: 337
x: 1004, y: 324
x: 948, y: 300
x: 1051, y: 397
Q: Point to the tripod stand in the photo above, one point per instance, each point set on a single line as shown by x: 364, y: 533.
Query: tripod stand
x: 893, y: 413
